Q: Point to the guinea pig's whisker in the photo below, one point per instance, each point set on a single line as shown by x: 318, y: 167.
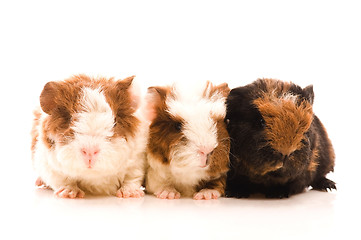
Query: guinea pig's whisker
x: 263, y: 144
x: 224, y: 139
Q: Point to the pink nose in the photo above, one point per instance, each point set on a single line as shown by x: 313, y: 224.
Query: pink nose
x: 204, y: 153
x: 89, y: 155
x: 205, y: 150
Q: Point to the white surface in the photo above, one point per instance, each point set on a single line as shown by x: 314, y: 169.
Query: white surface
x: 308, y: 215
x: 312, y: 42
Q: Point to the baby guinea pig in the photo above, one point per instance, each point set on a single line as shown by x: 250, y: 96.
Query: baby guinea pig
x: 188, y: 146
x: 278, y: 146
x: 89, y: 136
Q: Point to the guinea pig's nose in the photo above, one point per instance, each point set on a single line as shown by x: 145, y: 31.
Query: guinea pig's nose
x: 205, y: 153
x: 89, y: 155
x: 205, y: 150
x: 284, y: 158
x: 90, y: 152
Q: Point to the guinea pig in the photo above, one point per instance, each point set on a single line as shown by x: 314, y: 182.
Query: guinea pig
x: 90, y: 137
x: 188, y: 146
x: 279, y: 147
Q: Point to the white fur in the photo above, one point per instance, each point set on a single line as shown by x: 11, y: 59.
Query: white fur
x: 288, y: 96
x: 120, y: 162
x: 96, y: 121
x: 199, y: 127
x: 198, y: 113
x: 189, y: 99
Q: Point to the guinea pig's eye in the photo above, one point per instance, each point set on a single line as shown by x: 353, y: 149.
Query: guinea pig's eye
x: 262, y: 123
x: 178, y: 126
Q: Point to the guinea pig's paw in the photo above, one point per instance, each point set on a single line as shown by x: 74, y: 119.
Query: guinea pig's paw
x: 69, y: 192
x: 207, y: 194
x: 40, y: 183
x: 277, y: 193
x: 168, y: 193
x: 238, y: 194
x: 324, y: 184
x: 130, y: 192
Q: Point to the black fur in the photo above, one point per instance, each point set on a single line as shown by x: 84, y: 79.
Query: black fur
x: 251, y: 153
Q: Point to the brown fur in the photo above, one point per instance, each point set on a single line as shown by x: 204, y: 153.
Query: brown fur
x: 123, y: 105
x: 63, y: 103
x: 219, y: 166
x: 218, y: 184
x: 220, y: 153
x: 165, y: 133
x: 286, y: 121
x: 314, y: 162
x: 60, y: 101
x: 312, y: 167
x: 211, y: 89
x: 219, y: 161
x: 276, y: 87
x: 34, y: 131
x: 279, y: 147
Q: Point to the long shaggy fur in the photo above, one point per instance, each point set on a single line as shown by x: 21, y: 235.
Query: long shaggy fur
x: 278, y: 146
x: 184, y: 122
x: 81, y: 113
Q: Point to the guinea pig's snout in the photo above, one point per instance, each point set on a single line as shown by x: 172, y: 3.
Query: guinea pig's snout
x: 204, y: 154
x: 284, y: 158
x: 89, y: 155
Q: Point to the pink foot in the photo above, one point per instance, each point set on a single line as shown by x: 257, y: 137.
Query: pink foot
x: 130, y: 192
x: 40, y: 183
x: 169, y: 193
x: 207, y: 194
x: 69, y: 192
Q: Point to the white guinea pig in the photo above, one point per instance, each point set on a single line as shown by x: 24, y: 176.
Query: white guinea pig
x: 188, y: 143
x: 89, y: 136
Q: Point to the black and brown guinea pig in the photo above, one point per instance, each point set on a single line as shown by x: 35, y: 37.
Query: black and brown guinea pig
x: 89, y: 136
x: 188, y: 147
x: 279, y: 147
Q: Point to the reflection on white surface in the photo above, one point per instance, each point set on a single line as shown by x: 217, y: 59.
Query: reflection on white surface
x: 310, y: 214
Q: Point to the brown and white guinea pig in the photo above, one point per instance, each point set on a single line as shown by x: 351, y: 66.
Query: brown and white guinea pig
x: 188, y: 146
x: 89, y: 136
x: 278, y: 146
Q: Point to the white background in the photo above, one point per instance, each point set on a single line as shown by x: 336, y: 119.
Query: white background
x: 307, y: 42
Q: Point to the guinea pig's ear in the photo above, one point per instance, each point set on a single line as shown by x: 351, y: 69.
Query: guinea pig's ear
x: 238, y: 93
x: 212, y: 91
x: 223, y: 89
x: 155, y: 99
x: 237, y: 99
x: 308, y: 93
x: 132, y: 88
x: 48, y: 97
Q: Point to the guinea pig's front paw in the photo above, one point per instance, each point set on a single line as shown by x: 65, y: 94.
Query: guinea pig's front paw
x: 323, y: 184
x: 277, y: 193
x: 40, y: 183
x: 238, y: 194
x: 168, y: 193
x: 69, y: 192
x: 207, y: 194
x: 130, y: 192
